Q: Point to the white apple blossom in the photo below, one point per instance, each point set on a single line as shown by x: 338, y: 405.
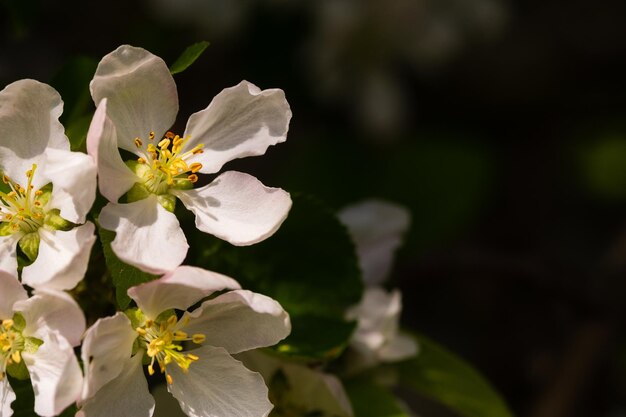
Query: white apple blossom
x: 39, y: 333
x: 376, y: 228
x: 137, y: 102
x: 46, y: 190
x: 192, y: 350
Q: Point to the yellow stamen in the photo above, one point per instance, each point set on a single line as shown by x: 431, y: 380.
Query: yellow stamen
x: 198, y: 338
x: 193, y: 178
x: 138, y: 143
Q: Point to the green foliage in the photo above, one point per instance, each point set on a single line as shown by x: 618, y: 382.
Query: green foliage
x: 72, y: 83
x: 188, y: 57
x: 603, y: 168
x: 442, y: 376
x: 309, y: 266
x: 24, y: 404
x: 370, y: 399
x: 123, y: 275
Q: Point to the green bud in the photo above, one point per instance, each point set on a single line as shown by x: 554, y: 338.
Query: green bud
x: 54, y: 221
x: 137, y: 192
x: 167, y: 201
x: 30, y: 245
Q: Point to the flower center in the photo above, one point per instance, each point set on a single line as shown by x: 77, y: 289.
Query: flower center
x: 163, y: 342
x: 21, y: 209
x: 166, y: 163
x: 11, y: 346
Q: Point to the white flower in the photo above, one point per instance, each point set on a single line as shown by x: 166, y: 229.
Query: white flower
x: 45, y: 189
x: 376, y: 228
x: 39, y: 332
x: 192, y: 351
x: 137, y: 102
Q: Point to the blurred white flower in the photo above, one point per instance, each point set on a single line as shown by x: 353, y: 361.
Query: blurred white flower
x: 46, y: 190
x: 192, y: 351
x: 137, y: 102
x: 376, y: 228
x: 39, y: 332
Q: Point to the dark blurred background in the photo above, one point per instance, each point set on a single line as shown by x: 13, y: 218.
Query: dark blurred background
x: 501, y: 125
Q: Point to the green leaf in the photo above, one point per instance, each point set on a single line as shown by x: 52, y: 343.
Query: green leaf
x: 188, y: 57
x: 442, y: 376
x: 72, y: 83
x: 123, y: 275
x: 370, y: 399
x: 309, y: 266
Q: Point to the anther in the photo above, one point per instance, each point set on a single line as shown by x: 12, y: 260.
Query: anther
x: 198, y: 338
x: 138, y: 143
x: 151, y: 135
x: 193, y: 178
x: 195, y: 167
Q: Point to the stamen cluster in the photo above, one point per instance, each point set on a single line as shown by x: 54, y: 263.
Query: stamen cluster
x: 11, y: 346
x: 163, y: 343
x: 22, y: 208
x: 167, y: 162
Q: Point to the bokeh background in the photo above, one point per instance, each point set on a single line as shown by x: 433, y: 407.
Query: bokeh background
x: 500, y: 124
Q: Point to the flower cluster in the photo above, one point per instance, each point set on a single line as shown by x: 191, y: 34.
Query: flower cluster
x: 186, y: 324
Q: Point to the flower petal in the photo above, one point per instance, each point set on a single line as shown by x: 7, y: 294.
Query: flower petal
x: 179, y: 289
x: 8, y: 253
x: 376, y: 228
x: 125, y: 396
x: 29, y: 122
x: 62, y: 259
x: 12, y: 292
x: 148, y: 236
x: 73, y: 176
x: 218, y: 385
x: 49, y: 311
x: 141, y: 93
x: 114, y: 177
x: 107, y: 346
x: 240, y: 320
x: 55, y: 375
x: 378, y: 316
x: 7, y: 396
x: 240, y: 121
x: 237, y: 207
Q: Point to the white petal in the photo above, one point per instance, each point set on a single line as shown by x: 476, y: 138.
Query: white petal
x: 148, y: 236
x: 12, y: 292
x: 7, y: 396
x: 237, y: 207
x: 73, y: 177
x: 8, y: 253
x: 29, y: 122
x: 376, y: 228
x: 218, y: 386
x: 62, y: 259
x: 49, y: 311
x: 55, y: 375
x: 240, y: 320
x: 141, y: 93
x: 114, y: 177
x: 125, y: 396
x: 240, y: 121
x: 378, y: 316
x: 398, y: 348
x: 179, y: 289
x: 106, y: 349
